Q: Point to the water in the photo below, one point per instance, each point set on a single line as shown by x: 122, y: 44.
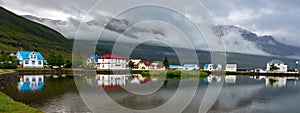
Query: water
x: 239, y: 94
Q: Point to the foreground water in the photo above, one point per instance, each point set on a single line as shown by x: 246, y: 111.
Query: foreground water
x: 242, y: 94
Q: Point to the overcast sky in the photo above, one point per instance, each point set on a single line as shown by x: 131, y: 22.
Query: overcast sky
x: 279, y: 18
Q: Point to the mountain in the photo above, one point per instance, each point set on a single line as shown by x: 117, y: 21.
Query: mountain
x: 264, y: 43
x: 45, y: 20
x: 19, y: 33
x: 237, y: 40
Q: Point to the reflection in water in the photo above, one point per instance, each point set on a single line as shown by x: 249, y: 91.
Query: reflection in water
x: 230, y: 78
x: 276, y: 81
x: 212, y: 78
x: 31, y: 82
x: 110, y: 81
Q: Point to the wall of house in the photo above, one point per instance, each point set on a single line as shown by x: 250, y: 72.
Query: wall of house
x: 111, y: 64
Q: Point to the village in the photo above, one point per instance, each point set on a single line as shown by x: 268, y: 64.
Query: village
x: 33, y: 59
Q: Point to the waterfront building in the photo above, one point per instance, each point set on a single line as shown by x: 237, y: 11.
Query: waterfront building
x: 30, y: 59
x: 231, y: 67
x: 212, y: 67
x: 190, y: 67
x: 277, y: 63
x: 111, y: 61
x: 157, y: 65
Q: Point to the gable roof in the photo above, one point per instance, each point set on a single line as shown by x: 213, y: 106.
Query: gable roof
x: 147, y: 63
x: 25, y: 55
x: 111, y: 56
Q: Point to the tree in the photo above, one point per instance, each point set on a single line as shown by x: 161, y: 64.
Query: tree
x: 131, y: 64
x: 273, y: 67
x: 55, y: 60
x: 68, y: 64
x: 166, y: 63
x: 59, y: 60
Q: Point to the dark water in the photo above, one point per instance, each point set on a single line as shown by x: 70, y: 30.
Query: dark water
x: 239, y: 94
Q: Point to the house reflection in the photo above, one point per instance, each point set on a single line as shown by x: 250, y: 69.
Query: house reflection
x: 31, y: 83
x: 213, y: 78
x: 230, y: 78
x: 110, y: 81
x: 276, y: 81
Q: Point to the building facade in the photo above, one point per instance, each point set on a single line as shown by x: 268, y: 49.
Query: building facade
x: 231, y: 67
x: 281, y: 67
x: 30, y: 59
x: 111, y: 61
x: 212, y: 67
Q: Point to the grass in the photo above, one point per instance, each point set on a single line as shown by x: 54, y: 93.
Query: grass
x: 8, y: 105
x: 177, y: 75
x: 4, y: 71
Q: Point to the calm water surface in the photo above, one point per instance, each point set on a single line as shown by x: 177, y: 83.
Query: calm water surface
x: 240, y: 94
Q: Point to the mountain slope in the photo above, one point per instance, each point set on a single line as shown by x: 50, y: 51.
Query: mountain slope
x: 264, y: 43
x: 17, y: 32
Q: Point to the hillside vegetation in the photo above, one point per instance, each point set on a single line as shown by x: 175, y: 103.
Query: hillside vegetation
x: 17, y: 32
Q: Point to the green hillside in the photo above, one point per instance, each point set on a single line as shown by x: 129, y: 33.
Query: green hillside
x: 17, y: 32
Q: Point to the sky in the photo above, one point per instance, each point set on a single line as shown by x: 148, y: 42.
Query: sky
x: 278, y: 18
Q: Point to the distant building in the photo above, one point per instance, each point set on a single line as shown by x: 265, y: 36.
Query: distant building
x: 91, y: 61
x: 212, y: 67
x: 30, y: 59
x: 111, y: 61
x: 135, y: 62
x: 175, y: 67
x: 231, y: 67
x: 144, y: 65
x: 157, y: 65
x: 279, y: 64
x: 31, y: 82
x: 190, y: 67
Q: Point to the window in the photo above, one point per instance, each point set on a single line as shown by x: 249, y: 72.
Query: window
x: 33, y: 62
x: 27, y: 80
x: 40, y: 62
x: 40, y: 79
x: 26, y: 62
x: 33, y: 79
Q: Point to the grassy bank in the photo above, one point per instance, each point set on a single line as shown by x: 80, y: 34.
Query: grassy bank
x: 4, y: 71
x: 7, y: 105
x: 176, y: 74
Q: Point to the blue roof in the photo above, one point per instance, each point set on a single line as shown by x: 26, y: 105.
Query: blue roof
x: 190, y: 65
x: 25, y: 54
x: 96, y: 58
x: 26, y: 87
x: 206, y: 65
x: 275, y: 61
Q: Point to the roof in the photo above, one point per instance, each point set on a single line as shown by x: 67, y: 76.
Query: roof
x: 95, y: 58
x: 276, y: 61
x: 206, y: 65
x: 231, y: 65
x: 147, y: 63
x: 190, y: 65
x: 111, y: 56
x: 25, y: 54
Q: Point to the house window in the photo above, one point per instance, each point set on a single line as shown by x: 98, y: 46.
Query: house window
x: 40, y: 79
x: 33, y: 62
x: 27, y: 80
x: 33, y: 79
x: 26, y: 62
x: 40, y: 62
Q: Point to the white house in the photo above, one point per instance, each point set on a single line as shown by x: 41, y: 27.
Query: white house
x: 111, y: 61
x: 190, y: 67
x: 135, y: 62
x: 30, y: 59
x: 279, y: 64
x: 212, y: 67
x: 31, y: 82
x: 174, y: 66
x: 231, y: 67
